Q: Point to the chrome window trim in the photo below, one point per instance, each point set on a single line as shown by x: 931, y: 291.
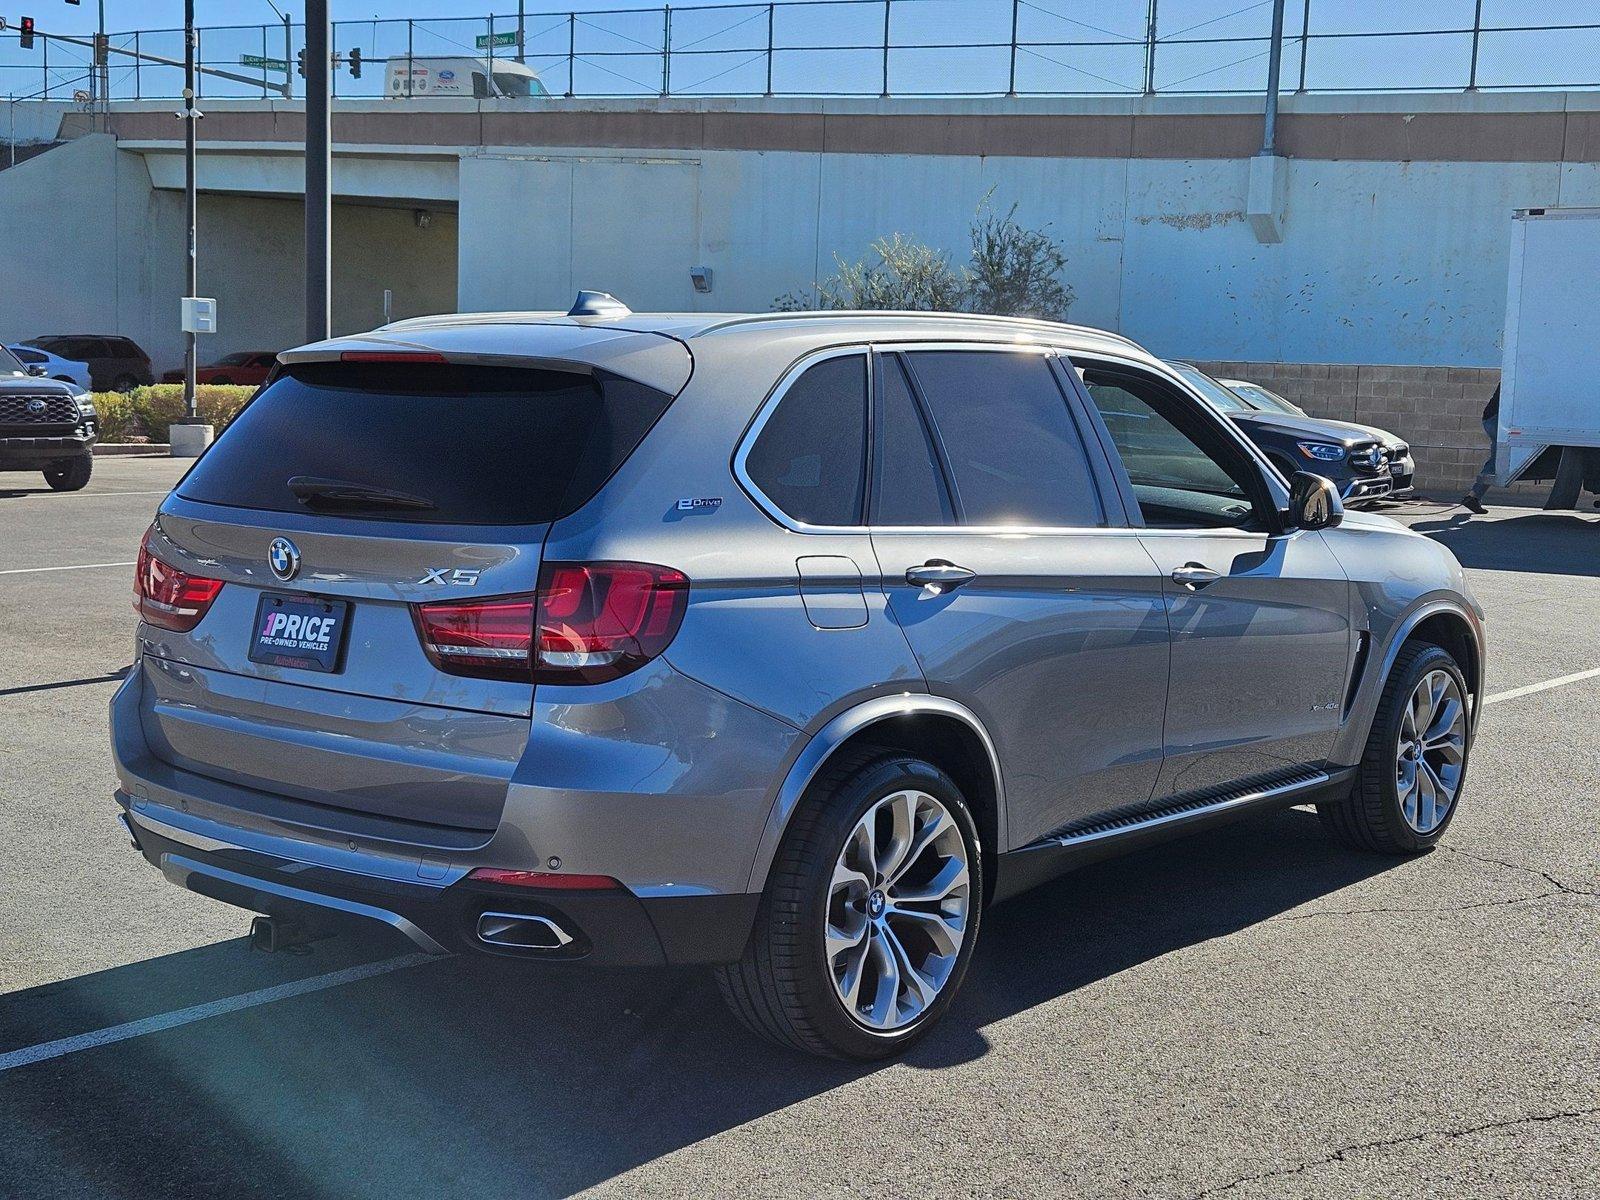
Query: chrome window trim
x: 869, y: 349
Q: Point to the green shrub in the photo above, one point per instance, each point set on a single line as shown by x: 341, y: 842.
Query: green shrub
x: 150, y: 411
x: 118, y: 422
x: 1013, y: 271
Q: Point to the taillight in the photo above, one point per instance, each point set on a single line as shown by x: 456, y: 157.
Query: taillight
x: 391, y: 356
x: 600, y: 620
x: 487, y: 639
x: 169, y: 598
x: 588, y: 623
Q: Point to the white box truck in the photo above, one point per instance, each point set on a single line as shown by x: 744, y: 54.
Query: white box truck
x: 475, y: 78
x: 1550, y: 372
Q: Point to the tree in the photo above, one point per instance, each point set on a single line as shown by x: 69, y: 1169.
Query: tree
x: 1014, y: 271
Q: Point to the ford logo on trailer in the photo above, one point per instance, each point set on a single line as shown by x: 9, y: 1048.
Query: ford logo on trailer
x: 284, y: 559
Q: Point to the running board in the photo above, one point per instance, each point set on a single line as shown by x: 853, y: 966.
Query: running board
x: 1107, y: 834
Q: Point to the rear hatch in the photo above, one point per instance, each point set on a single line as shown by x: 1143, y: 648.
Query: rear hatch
x: 347, y: 495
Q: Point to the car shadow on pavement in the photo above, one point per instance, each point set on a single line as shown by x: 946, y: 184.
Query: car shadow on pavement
x: 489, y: 1077
x: 1550, y: 543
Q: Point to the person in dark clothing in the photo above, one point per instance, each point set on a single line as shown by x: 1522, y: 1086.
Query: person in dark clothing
x: 1473, y: 500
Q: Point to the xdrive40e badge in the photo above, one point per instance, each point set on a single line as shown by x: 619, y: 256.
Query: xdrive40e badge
x: 284, y: 558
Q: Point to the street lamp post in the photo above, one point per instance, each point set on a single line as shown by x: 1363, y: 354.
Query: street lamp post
x: 190, y: 116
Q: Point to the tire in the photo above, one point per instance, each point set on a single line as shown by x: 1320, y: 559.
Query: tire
x: 1378, y: 815
x: 786, y: 987
x: 70, y: 475
x: 124, y: 383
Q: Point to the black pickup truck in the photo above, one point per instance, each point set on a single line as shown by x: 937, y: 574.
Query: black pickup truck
x: 45, y: 425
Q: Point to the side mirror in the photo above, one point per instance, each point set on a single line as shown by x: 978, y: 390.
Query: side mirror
x: 37, y: 369
x: 1314, y: 502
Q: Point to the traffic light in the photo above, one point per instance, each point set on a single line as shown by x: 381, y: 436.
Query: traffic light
x: 302, y: 61
x: 25, y: 33
x: 355, y: 62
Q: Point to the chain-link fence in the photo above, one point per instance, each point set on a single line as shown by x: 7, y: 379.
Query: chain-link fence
x: 866, y: 48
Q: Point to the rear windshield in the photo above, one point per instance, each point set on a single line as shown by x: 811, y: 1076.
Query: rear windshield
x: 475, y: 445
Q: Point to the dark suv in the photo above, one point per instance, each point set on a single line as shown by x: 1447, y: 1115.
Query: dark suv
x: 116, y: 364
x: 1357, y: 459
x: 45, y: 425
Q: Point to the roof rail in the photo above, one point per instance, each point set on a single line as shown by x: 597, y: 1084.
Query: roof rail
x: 598, y: 304
x: 980, y: 318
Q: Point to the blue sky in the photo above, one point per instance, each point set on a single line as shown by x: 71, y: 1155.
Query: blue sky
x: 717, y: 50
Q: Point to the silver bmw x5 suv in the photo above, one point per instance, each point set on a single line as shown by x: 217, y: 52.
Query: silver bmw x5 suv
x: 784, y: 644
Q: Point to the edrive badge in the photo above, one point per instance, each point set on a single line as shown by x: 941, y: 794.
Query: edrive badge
x: 284, y: 558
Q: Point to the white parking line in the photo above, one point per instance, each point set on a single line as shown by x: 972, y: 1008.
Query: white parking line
x: 28, y: 1055
x: 97, y: 495
x: 1559, y: 681
x: 54, y: 496
x: 77, y: 567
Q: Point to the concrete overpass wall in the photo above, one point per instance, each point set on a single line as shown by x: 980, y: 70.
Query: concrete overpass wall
x: 91, y: 246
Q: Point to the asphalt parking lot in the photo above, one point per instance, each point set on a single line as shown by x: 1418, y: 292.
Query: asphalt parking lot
x: 1251, y: 1012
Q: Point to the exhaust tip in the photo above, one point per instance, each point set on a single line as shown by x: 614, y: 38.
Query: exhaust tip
x: 521, y: 931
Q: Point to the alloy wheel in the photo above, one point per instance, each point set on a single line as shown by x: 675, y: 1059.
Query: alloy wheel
x: 1431, y: 751
x: 898, y: 909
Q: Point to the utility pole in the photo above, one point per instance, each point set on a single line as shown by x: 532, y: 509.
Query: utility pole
x: 102, y: 67
x: 1269, y: 132
x: 190, y: 116
x: 522, y: 49
x: 319, y: 162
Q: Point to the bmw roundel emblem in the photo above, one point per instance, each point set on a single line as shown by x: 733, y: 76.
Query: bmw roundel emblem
x: 36, y: 405
x: 284, y: 558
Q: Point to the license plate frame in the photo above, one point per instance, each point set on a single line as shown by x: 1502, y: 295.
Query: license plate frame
x: 282, y: 644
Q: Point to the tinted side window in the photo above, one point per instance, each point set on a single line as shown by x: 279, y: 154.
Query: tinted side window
x: 1183, y: 475
x: 1008, y: 435
x: 810, y: 457
x: 907, y: 483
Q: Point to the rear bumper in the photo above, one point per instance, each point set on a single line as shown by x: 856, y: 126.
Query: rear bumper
x: 609, y: 927
x: 22, y: 452
x: 683, y: 853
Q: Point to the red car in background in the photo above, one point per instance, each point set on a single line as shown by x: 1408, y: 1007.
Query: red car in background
x: 246, y: 367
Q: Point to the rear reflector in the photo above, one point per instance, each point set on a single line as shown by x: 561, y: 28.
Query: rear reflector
x: 544, y: 879
x: 588, y: 623
x: 166, y: 597
x: 391, y: 356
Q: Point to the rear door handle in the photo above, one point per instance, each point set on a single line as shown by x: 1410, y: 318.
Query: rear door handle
x: 939, y: 576
x: 1195, y: 576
